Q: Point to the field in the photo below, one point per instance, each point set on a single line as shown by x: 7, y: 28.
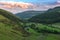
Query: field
x: 44, y: 36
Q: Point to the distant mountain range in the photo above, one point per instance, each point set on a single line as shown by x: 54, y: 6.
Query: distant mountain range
x: 28, y: 14
x: 50, y: 16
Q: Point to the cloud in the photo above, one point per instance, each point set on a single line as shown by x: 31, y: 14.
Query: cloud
x: 21, y: 5
x: 16, y: 6
x: 48, y: 6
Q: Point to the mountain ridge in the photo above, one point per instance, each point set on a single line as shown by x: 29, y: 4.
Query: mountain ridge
x: 28, y: 14
x: 48, y: 16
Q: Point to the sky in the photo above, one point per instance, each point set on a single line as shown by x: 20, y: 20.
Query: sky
x: 33, y: 1
x: 23, y: 5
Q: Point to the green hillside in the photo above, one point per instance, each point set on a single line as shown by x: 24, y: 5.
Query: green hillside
x: 13, y: 19
x: 11, y: 26
x: 49, y: 17
x: 6, y: 31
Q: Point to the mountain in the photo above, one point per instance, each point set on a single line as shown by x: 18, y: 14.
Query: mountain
x: 50, y: 16
x: 28, y: 14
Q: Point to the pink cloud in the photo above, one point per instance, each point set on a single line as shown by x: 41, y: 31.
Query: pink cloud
x: 21, y: 6
x: 16, y: 6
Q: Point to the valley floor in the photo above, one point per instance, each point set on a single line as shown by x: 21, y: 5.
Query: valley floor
x: 7, y: 33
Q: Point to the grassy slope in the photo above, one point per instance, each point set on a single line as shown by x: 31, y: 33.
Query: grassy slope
x: 7, y: 33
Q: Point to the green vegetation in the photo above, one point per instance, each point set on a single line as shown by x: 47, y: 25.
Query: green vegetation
x: 7, y: 33
x: 49, y: 17
x: 14, y: 28
x: 44, y: 32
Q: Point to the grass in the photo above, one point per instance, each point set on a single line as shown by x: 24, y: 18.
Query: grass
x: 44, y: 36
x: 2, y: 17
x: 6, y: 32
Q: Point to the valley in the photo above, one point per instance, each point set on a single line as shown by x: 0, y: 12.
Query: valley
x: 44, y: 26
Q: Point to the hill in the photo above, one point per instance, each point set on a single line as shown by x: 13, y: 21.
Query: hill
x: 50, y: 16
x: 12, y: 17
x: 28, y: 14
x: 11, y: 26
